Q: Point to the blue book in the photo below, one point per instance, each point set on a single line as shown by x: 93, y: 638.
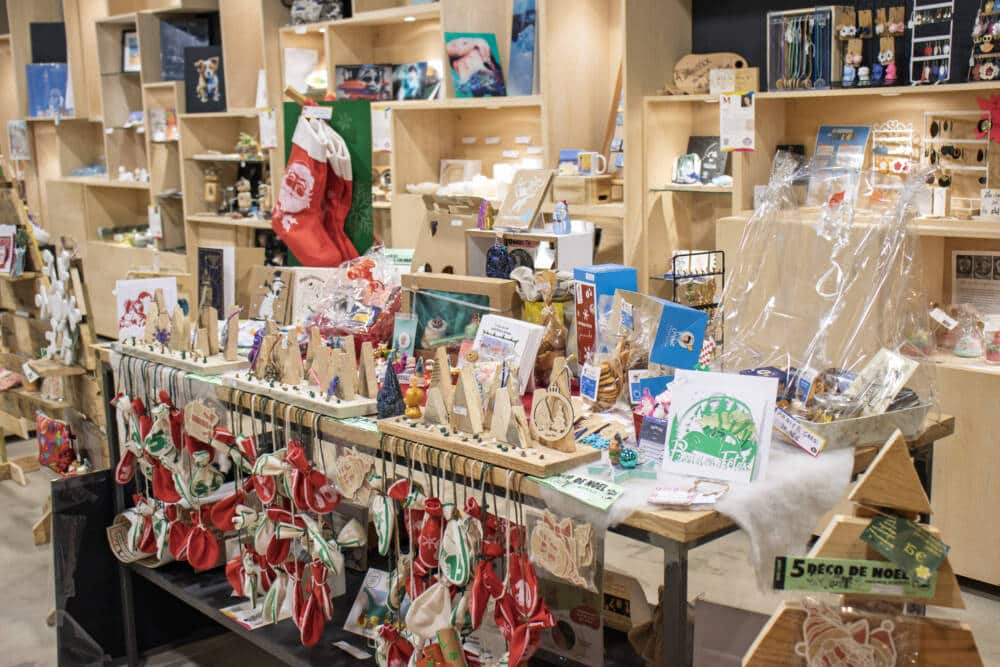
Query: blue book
x: 523, y: 38
x: 48, y: 90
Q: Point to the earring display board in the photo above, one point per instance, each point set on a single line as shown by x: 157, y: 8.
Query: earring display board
x: 352, y: 119
x: 931, y: 41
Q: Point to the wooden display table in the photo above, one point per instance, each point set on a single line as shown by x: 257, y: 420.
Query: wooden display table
x: 675, y: 531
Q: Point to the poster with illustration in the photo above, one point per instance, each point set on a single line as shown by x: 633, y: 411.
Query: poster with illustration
x: 269, y: 291
x: 720, y: 425
x: 133, y: 298
x: 204, y: 79
x: 475, y: 64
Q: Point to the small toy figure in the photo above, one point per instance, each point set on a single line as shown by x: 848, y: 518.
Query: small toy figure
x: 413, y: 397
x: 615, y: 449
x: 848, y: 79
x: 244, y: 199
x: 864, y: 76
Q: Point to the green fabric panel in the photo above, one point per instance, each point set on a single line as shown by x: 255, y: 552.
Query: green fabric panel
x: 352, y: 119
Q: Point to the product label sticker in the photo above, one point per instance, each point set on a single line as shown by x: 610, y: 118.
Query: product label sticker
x: 798, y: 433
x: 944, y: 319
x: 200, y: 420
x: 846, y: 576
x: 469, y: 140
x: 590, y: 377
x: 535, y: 150
x: 736, y: 121
x: 634, y: 386
x: 522, y: 139
x: 510, y: 154
x: 155, y: 224
x: 906, y: 544
x: 491, y: 141
x: 989, y: 203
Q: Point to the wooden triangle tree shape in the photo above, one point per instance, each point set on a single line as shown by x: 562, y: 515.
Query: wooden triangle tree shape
x: 467, y: 409
x: 291, y: 369
x: 344, y: 369
x: 891, y: 481
x: 367, y: 383
x: 435, y: 411
x: 441, y: 375
x: 842, y: 539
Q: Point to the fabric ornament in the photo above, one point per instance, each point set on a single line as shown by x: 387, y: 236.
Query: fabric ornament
x: 383, y: 514
x: 430, y: 611
x: 429, y: 541
x: 318, y: 608
x: 456, y: 550
x: 397, y: 650
x: 311, y: 489
x: 266, y: 469
x: 202, y: 547
x: 339, y: 190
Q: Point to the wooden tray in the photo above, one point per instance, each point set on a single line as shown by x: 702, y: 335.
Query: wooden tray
x: 216, y: 364
x: 298, y: 395
x: 538, y: 462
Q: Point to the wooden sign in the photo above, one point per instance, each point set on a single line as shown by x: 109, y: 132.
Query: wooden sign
x: 691, y: 73
x: 891, y: 481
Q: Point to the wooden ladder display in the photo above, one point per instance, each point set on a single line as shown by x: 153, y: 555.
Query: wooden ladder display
x: 890, y: 485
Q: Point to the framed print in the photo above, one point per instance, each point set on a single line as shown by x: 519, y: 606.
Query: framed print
x: 475, y: 64
x: 130, y: 51
x: 204, y: 79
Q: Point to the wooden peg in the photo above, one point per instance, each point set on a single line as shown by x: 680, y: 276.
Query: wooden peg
x: 178, y: 330
x: 343, y: 368
x: 367, y: 383
x: 201, y: 345
x: 467, y: 409
x: 291, y: 369
x: 435, y: 411
x: 232, y: 335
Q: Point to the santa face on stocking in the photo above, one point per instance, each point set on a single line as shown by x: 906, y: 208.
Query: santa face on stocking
x: 296, y: 188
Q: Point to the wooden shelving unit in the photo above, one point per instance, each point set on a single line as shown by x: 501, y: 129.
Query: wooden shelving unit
x: 674, y: 220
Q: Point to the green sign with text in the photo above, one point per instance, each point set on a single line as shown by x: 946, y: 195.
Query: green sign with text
x: 839, y: 575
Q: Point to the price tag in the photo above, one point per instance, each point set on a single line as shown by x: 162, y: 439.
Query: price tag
x: 736, y: 122
x: 944, y: 319
x: 29, y: 373
x: 200, y: 420
x: 155, y: 223
x: 268, y: 129
x: 906, y: 544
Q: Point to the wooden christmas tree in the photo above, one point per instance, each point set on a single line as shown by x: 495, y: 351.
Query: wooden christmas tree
x: 890, y: 485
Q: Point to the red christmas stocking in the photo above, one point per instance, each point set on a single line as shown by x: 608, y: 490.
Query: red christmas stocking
x: 339, y: 190
x: 298, y: 216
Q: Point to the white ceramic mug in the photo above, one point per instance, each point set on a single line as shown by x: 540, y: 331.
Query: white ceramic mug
x: 590, y: 162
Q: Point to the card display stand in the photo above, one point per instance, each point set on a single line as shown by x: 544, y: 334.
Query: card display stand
x: 299, y: 396
x: 212, y: 365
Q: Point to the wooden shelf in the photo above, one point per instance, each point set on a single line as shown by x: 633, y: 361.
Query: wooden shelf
x: 382, y: 205
x: 950, y: 361
x: 514, y: 101
x: 703, y: 189
x: 36, y: 399
x: 52, y: 368
x: 103, y: 182
x: 883, y: 91
x: 27, y: 275
x: 404, y: 14
x: 224, y: 157
x: 232, y: 113
x: 226, y: 221
x: 609, y: 210
x: 958, y: 228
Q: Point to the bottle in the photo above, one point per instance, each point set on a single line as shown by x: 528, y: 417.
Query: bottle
x: 560, y: 218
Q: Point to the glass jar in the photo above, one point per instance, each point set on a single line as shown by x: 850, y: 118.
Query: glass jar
x: 970, y: 343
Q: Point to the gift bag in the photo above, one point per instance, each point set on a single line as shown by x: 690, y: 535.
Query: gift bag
x: 55, y: 443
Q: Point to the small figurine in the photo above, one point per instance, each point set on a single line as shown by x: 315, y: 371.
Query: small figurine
x: 244, y: 199
x: 247, y: 146
x: 413, y: 397
x: 848, y: 79
x: 264, y: 203
x: 210, y: 195
x: 615, y: 449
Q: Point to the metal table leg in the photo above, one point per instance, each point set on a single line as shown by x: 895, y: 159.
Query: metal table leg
x: 673, y: 600
x: 124, y: 574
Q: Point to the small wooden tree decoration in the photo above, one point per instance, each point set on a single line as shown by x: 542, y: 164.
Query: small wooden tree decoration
x: 367, y: 384
x: 467, y: 408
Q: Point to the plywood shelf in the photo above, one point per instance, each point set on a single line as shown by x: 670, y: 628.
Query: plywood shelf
x: 515, y: 101
x: 103, y: 182
x: 226, y: 221
x: 614, y: 210
x: 225, y: 157
x: 377, y: 17
x: 876, y: 91
x: 702, y: 189
x: 950, y: 361
x: 27, y: 275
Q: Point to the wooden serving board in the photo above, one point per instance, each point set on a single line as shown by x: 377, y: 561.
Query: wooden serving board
x: 298, y: 396
x: 215, y: 365
x: 537, y: 461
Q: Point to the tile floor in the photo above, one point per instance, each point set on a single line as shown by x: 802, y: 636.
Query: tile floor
x: 718, y: 571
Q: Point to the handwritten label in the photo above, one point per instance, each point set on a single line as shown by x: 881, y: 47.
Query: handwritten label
x: 313, y: 111
x: 798, y: 433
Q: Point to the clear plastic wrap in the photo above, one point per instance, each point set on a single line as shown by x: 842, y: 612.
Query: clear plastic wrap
x: 819, y: 296
x: 364, y: 300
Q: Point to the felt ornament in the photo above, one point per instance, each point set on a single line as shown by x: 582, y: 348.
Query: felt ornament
x: 339, y: 189
x: 299, y: 212
x: 429, y: 541
x: 430, y: 611
x: 318, y: 608
x: 383, y: 514
x: 390, y: 397
x: 266, y: 469
x: 311, y: 489
x: 202, y: 548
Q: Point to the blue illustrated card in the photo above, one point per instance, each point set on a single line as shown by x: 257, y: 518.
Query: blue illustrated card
x: 679, y: 336
x: 47, y: 90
